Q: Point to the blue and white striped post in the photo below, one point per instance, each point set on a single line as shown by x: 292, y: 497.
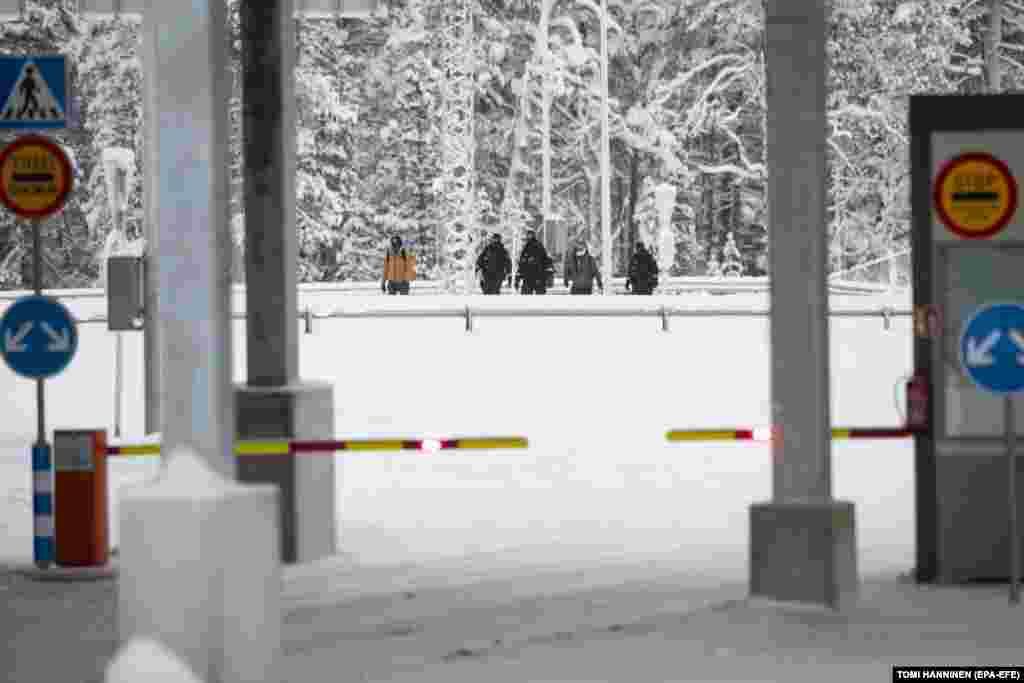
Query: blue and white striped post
x: 42, y: 506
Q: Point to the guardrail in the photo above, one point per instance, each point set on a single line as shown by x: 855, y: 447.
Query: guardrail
x: 669, y: 286
x: 468, y: 313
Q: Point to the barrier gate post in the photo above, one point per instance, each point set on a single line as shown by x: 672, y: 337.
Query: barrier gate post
x: 81, y: 524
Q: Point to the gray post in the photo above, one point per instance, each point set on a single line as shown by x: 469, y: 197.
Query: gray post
x: 268, y: 124
x: 802, y: 542
x: 1011, y: 437
x: 150, y: 194
x: 37, y: 288
x: 274, y: 403
x: 118, y: 384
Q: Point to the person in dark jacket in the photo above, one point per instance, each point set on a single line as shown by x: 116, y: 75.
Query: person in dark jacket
x: 643, y: 271
x: 536, y: 269
x: 581, y: 270
x: 493, y: 265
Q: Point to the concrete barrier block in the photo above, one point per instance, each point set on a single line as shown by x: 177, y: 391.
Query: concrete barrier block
x: 143, y: 660
x: 200, y: 571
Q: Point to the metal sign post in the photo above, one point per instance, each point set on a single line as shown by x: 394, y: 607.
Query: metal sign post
x: 41, y: 450
x: 37, y: 333
x: 1012, y: 478
x: 992, y: 355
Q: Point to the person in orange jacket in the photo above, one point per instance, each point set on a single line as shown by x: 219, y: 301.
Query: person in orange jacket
x: 399, y: 268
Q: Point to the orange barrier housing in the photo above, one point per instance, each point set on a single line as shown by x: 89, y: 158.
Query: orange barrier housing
x: 80, y: 498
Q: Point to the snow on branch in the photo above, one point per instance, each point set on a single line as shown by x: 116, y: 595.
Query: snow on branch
x: 682, y: 79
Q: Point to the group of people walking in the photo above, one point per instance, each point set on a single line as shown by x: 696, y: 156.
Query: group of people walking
x: 535, y: 271
x: 534, y: 274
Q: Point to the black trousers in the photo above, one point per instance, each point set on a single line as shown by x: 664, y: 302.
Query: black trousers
x: 398, y: 287
x: 491, y: 287
x: 581, y: 290
x: 534, y: 287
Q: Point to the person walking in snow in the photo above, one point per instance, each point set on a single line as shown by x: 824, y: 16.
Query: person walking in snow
x: 399, y: 268
x: 493, y: 266
x: 581, y: 271
x: 536, y: 270
x: 643, y: 271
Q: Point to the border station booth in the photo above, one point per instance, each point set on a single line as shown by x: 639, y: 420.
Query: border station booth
x: 967, y: 157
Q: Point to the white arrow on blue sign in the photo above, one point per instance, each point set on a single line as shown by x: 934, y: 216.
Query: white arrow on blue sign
x: 992, y: 348
x: 38, y: 337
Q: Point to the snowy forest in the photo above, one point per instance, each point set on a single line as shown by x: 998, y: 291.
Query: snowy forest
x: 687, y: 124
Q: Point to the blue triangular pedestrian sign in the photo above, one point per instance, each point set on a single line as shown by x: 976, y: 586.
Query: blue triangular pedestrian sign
x: 34, y: 89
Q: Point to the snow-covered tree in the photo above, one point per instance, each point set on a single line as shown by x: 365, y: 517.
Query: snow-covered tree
x: 654, y: 221
x: 69, y: 248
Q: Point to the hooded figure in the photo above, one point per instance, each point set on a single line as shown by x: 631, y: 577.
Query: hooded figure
x: 399, y: 268
x: 493, y: 265
x: 536, y: 270
x: 581, y: 271
x: 643, y: 271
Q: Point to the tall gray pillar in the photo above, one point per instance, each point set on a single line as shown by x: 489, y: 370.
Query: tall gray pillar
x: 803, y: 543
x: 150, y: 193
x: 274, y: 403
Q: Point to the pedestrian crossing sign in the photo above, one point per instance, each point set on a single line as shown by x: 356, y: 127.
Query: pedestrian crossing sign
x: 35, y: 92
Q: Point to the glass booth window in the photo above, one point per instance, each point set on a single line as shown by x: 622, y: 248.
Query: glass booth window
x: 975, y: 276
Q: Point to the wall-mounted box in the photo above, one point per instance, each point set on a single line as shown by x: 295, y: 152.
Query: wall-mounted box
x: 125, y: 303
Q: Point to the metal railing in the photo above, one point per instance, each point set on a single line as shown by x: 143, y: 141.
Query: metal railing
x: 668, y: 286
x: 468, y: 313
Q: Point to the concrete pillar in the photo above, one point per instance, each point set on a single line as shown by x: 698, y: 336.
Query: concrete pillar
x: 274, y: 403
x: 190, y: 144
x: 199, y: 570
x: 803, y: 543
x: 150, y: 193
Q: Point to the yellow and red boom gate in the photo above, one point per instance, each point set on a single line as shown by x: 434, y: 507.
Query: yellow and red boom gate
x: 764, y: 434
x: 294, y: 447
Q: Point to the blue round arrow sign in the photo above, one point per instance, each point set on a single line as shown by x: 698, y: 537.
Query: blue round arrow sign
x: 992, y: 348
x: 38, y: 337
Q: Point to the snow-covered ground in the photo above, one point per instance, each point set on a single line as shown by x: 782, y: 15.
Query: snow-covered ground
x: 595, y: 396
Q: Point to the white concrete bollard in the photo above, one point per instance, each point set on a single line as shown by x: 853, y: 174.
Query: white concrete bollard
x: 200, y: 571
x: 146, y: 661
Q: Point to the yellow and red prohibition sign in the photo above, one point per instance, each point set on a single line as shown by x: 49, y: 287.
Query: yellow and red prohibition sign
x: 975, y: 195
x: 35, y: 177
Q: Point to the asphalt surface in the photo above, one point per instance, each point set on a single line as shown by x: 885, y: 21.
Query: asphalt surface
x: 611, y: 621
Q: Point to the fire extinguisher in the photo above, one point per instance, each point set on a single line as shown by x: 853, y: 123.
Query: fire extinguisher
x: 917, y: 402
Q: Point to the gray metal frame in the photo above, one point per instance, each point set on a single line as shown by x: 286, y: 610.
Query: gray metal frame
x: 930, y: 115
